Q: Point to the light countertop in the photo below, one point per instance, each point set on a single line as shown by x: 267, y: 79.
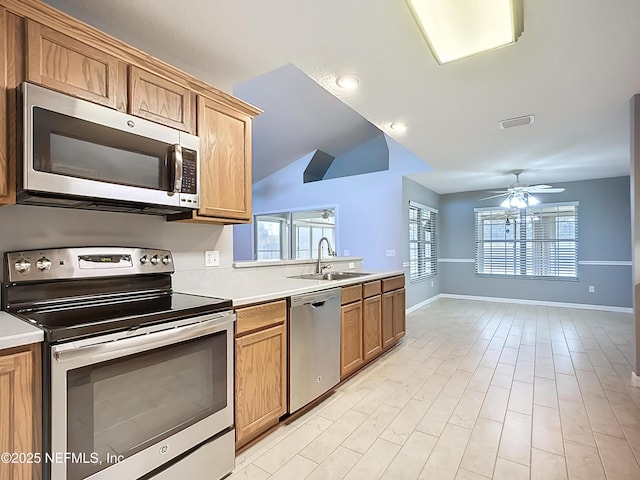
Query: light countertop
x: 15, y: 332
x: 244, y: 292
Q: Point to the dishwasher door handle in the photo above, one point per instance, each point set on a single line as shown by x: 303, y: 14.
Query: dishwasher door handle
x: 318, y: 304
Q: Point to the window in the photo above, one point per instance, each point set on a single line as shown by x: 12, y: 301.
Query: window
x: 423, y: 259
x: 536, y: 242
x: 272, y: 236
x: 293, y: 235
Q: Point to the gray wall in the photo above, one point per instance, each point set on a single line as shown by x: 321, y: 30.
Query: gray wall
x: 422, y: 290
x: 604, y: 247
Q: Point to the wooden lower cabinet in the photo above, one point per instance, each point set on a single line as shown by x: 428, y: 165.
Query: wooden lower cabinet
x: 19, y: 410
x: 371, y: 327
x: 399, y: 320
x: 351, y: 357
x: 260, y: 370
x: 388, y: 336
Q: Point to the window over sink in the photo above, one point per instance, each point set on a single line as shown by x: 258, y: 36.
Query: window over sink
x: 293, y: 234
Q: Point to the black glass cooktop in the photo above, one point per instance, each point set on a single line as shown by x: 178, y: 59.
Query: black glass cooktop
x: 81, y: 319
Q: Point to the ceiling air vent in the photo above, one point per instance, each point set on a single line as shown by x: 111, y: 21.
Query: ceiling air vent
x: 516, y: 122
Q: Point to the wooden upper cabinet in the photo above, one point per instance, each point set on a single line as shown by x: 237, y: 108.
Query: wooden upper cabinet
x: 70, y: 66
x: 161, y: 100
x: 225, y: 162
x: 4, y: 134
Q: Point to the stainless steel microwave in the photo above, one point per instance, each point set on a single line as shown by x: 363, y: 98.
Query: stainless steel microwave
x: 78, y: 154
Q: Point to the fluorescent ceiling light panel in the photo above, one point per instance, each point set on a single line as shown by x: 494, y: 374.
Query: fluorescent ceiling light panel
x: 456, y: 29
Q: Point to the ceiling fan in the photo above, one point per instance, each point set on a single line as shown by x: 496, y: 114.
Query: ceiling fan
x: 519, y: 195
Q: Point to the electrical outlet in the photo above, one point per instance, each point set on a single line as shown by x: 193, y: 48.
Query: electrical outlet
x: 212, y: 258
x: 592, y: 289
x: 352, y: 264
x: 391, y: 253
x: 431, y: 283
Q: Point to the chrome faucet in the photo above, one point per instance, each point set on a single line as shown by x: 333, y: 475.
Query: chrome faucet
x: 330, y: 251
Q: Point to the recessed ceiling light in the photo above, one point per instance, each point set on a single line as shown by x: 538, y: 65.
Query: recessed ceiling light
x: 398, y: 127
x: 348, y: 81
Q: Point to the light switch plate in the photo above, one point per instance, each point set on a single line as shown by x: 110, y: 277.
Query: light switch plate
x: 391, y: 253
x: 212, y: 258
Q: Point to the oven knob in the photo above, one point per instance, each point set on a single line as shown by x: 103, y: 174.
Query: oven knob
x: 144, y: 259
x: 155, y: 260
x: 22, y: 265
x: 166, y: 260
x: 43, y: 264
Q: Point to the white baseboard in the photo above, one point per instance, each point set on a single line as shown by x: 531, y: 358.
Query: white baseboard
x: 417, y: 306
x: 635, y: 380
x: 585, y: 306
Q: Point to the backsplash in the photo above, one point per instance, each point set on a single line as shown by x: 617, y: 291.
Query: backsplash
x: 27, y: 227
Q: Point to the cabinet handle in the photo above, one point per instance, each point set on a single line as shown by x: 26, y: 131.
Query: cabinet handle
x: 177, y: 168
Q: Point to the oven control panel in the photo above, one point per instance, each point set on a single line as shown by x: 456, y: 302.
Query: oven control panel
x: 85, y: 262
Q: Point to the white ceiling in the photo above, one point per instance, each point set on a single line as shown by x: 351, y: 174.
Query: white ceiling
x: 575, y: 67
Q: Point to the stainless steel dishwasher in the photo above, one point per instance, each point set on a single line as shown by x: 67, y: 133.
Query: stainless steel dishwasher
x: 314, y: 346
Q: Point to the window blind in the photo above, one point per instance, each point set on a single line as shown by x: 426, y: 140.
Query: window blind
x: 422, y: 241
x: 536, y: 242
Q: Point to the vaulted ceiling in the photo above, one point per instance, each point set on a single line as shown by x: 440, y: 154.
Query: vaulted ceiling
x: 575, y: 68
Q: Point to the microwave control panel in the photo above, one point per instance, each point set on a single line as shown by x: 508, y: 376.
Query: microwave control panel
x: 189, y: 171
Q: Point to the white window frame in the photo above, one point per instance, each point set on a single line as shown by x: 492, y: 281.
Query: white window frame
x: 546, y: 248
x: 423, y: 242
x: 290, y: 231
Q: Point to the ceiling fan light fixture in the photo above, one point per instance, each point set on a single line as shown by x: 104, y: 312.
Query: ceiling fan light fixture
x: 519, y: 200
x: 462, y: 28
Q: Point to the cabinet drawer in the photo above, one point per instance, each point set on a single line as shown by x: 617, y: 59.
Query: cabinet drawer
x: 392, y: 283
x: 161, y: 101
x: 260, y: 316
x: 370, y: 289
x: 351, y: 293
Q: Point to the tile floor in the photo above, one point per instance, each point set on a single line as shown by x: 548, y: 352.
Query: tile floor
x: 475, y: 390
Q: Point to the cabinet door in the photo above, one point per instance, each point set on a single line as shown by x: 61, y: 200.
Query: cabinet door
x: 160, y: 100
x: 372, y: 327
x: 388, y: 337
x: 225, y: 162
x: 261, y: 381
x: 70, y: 66
x: 399, y: 328
x: 350, y: 338
x: 16, y: 412
x: 4, y: 134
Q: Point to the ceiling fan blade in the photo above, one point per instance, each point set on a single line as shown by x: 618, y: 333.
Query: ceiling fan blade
x: 541, y: 186
x: 495, y: 196
x: 546, y: 190
x: 497, y: 191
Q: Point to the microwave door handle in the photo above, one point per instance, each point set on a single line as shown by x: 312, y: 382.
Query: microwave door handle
x: 177, y: 168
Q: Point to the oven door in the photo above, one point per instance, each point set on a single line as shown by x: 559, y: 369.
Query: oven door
x: 124, y: 404
x: 75, y: 148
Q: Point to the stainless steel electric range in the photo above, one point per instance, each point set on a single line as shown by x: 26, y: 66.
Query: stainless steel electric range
x: 137, y: 379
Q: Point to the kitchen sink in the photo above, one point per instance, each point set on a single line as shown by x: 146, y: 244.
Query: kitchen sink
x: 331, y: 275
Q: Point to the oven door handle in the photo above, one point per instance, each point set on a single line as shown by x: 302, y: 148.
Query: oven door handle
x: 130, y: 343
